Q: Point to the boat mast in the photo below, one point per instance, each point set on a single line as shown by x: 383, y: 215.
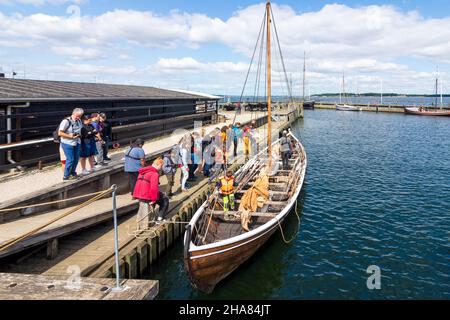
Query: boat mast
x: 304, y: 75
x: 437, y: 83
x: 269, y: 102
x: 381, y: 92
x: 343, y: 85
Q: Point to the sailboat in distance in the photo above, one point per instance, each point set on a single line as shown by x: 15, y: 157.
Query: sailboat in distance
x: 218, y: 241
x: 307, y: 104
x: 343, y: 106
x: 425, y: 111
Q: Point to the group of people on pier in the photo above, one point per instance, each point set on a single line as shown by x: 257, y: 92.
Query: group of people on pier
x: 86, y: 139
x: 83, y: 139
x: 195, y: 152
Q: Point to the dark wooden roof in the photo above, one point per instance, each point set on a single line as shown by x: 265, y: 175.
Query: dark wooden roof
x: 19, y: 90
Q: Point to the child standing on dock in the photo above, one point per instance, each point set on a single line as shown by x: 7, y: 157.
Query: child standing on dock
x: 88, y: 146
x: 184, y: 162
x: 95, y: 122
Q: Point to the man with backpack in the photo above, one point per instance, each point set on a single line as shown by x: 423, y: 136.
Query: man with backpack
x: 170, y: 169
x: 134, y: 161
x: 69, y: 132
x: 285, y: 149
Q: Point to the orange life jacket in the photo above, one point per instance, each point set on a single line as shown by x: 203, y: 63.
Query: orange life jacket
x: 227, y: 185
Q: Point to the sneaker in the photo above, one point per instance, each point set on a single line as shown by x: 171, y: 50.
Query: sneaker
x: 160, y: 221
x: 85, y: 172
x: 97, y: 167
x: 107, y: 159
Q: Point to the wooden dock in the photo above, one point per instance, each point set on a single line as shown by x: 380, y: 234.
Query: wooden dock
x: 37, y: 287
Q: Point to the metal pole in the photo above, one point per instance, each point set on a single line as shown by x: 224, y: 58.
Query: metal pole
x: 116, y: 239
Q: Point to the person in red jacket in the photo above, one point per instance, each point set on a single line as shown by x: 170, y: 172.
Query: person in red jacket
x: 147, y: 189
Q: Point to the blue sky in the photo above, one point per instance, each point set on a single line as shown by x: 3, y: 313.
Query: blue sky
x: 207, y: 45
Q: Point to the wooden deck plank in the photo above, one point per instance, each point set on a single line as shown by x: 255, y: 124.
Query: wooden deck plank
x: 37, y: 287
x: 96, y: 213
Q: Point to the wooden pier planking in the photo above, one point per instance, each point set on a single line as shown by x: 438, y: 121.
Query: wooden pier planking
x: 38, y: 287
x: 98, y: 212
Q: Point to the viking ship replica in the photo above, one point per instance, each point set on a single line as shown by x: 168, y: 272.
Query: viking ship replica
x: 216, y: 242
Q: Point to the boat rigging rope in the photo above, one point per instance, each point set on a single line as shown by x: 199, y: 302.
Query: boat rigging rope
x: 298, y: 227
x: 251, y: 63
x: 11, y: 242
x: 281, y: 56
x: 49, y: 203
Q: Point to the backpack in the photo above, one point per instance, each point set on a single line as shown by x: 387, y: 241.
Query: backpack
x: 176, y: 154
x: 127, y: 155
x: 55, y: 134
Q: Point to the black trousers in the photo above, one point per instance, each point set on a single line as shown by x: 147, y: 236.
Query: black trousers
x: 170, y: 183
x: 106, y: 147
x: 285, y: 157
x: 192, y: 168
x: 163, y: 203
x: 235, y: 144
x: 132, y: 179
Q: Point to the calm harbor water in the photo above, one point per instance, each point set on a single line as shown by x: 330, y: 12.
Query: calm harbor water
x: 377, y: 192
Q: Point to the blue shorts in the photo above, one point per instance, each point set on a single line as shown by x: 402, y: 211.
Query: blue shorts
x: 88, y: 149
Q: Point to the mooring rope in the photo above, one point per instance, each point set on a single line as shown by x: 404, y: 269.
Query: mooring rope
x: 49, y: 203
x: 298, y: 227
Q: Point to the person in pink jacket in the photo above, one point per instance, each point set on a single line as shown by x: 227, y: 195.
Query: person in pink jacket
x: 147, y: 188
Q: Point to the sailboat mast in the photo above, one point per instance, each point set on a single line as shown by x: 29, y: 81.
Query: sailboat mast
x: 381, y: 91
x: 437, y: 83
x: 269, y: 79
x: 343, y: 86
x: 436, y: 95
x: 304, y: 74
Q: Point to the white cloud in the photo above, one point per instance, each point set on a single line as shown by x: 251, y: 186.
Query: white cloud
x: 367, y: 42
x: 40, y: 3
x: 189, y: 64
x: 78, y: 53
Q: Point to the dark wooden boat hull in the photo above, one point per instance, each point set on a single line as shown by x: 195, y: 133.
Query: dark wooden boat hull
x: 205, y: 272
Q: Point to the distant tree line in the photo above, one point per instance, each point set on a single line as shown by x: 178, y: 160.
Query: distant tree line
x: 372, y: 94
